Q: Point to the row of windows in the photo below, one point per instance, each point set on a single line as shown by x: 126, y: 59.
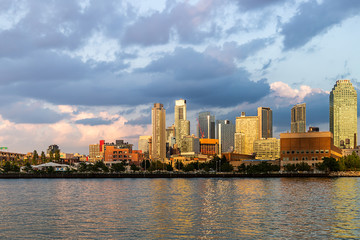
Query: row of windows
x: 115, y: 152
x: 305, y: 151
x: 121, y: 156
x: 302, y: 159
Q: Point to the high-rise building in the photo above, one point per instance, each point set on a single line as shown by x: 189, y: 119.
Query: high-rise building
x: 249, y: 126
x: 158, y: 121
x: 182, y: 126
x: 225, y: 134
x: 343, y: 114
x: 265, y: 122
x: 298, y: 118
x: 206, y: 125
x: 143, y: 143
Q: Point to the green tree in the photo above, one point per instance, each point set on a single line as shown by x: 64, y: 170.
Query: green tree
x: 350, y: 162
x: 57, y: 155
x: 35, y: 157
x: 169, y: 167
x: 50, y: 169
x: 83, y: 167
x: 189, y: 167
x: 51, y: 156
x: 43, y: 157
x: 179, y: 165
x: 290, y: 167
x: 118, y: 167
x: 329, y: 164
x: 134, y: 168
x: 28, y: 167
x: 303, y: 166
x: 145, y: 164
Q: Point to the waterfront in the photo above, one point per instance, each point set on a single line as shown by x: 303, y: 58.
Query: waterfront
x: 271, y: 208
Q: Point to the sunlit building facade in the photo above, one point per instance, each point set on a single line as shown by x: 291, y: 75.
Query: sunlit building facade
x: 158, y: 121
x: 267, y: 149
x: 182, y: 125
x: 298, y: 118
x: 343, y: 114
x: 249, y: 126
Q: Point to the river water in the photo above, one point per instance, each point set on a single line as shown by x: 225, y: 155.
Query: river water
x: 272, y: 208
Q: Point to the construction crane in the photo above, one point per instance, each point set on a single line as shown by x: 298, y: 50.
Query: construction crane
x: 201, y: 132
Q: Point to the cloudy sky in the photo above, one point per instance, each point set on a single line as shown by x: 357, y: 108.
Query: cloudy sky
x: 74, y: 72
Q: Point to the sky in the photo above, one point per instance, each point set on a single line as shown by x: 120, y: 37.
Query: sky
x: 74, y: 72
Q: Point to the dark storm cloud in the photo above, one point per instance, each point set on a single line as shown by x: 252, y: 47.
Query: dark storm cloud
x: 186, y: 64
x: 94, y: 121
x: 54, y: 25
x: 36, y: 113
x: 182, y: 19
x: 313, y: 19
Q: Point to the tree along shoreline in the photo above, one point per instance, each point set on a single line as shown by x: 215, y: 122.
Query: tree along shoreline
x: 180, y: 175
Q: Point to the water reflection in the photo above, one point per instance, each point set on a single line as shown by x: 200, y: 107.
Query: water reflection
x: 278, y: 208
x: 345, y: 199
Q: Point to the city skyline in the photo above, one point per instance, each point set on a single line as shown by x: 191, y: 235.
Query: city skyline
x: 76, y: 72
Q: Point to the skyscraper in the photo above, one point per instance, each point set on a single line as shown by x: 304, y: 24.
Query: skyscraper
x: 182, y: 126
x: 225, y: 134
x: 298, y: 118
x: 265, y: 122
x: 248, y: 126
x: 206, y: 126
x: 343, y: 114
x: 158, y: 115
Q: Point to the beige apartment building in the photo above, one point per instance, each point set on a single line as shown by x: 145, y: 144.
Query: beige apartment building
x: 267, y: 149
x: 158, y: 121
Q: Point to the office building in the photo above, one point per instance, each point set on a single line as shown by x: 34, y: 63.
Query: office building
x: 206, y: 125
x: 158, y: 121
x: 267, y: 149
x: 308, y: 147
x: 190, y: 144
x: 343, y: 114
x: 249, y: 127
x: 298, y: 118
x: 265, y: 122
x: 182, y: 126
x: 225, y: 134
x: 209, y: 146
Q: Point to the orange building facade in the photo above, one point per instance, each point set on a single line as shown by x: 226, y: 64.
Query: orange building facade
x: 308, y: 147
x: 113, y: 154
x: 209, y: 146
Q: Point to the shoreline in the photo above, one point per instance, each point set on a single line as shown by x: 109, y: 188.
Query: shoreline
x: 178, y: 175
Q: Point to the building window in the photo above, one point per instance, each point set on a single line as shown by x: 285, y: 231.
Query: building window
x: 326, y: 151
x: 114, y: 152
x: 297, y: 152
x: 321, y: 151
x: 316, y: 151
x: 115, y: 156
x: 283, y: 152
x: 302, y: 151
x: 288, y: 152
x: 312, y: 151
x: 292, y: 152
x: 307, y: 151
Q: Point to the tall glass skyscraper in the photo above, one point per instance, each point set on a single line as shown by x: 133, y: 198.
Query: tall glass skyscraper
x: 206, y: 126
x: 225, y: 134
x: 298, y: 118
x: 265, y: 121
x: 343, y: 114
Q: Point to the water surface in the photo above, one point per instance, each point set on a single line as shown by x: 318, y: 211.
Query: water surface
x: 273, y: 208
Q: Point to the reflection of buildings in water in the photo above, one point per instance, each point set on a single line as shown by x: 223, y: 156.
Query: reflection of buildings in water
x: 345, y: 201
